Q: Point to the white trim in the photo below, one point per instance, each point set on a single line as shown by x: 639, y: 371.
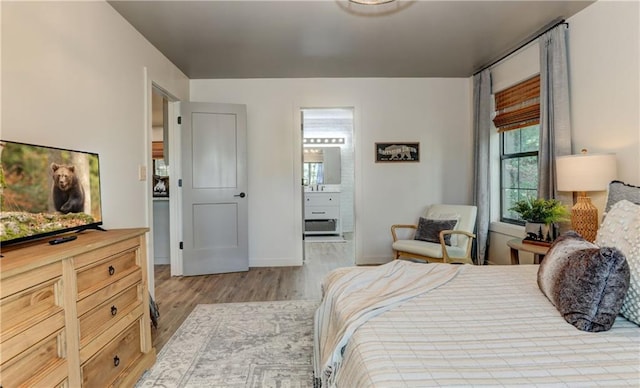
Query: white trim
x: 175, y: 193
x: 507, y: 229
x: 298, y: 191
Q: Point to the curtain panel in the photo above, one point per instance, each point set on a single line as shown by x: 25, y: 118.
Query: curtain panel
x: 555, y: 120
x: 482, y: 169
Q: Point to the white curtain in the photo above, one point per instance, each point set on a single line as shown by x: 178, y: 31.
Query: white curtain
x: 481, y: 183
x: 555, y: 120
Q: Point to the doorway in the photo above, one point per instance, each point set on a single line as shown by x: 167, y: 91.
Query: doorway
x: 328, y: 182
x: 160, y: 177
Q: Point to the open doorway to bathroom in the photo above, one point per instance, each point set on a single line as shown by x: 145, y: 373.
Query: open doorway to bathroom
x: 328, y: 177
x: 160, y: 177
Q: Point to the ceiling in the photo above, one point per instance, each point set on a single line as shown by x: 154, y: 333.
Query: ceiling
x: 329, y: 38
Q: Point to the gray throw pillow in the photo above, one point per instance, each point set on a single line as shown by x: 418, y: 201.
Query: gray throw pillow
x: 618, y: 191
x: 429, y: 230
x: 587, y: 284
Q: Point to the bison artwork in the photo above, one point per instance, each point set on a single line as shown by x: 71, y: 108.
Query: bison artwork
x: 397, y: 152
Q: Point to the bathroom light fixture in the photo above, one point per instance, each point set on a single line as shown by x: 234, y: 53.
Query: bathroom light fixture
x: 323, y: 140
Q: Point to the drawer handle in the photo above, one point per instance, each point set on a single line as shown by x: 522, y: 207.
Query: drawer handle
x: 318, y: 212
x: 114, y: 310
x: 111, y: 270
x: 116, y: 361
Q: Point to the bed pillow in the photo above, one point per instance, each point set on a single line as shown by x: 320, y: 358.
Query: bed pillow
x: 587, y: 284
x: 621, y: 229
x: 429, y: 230
x: 618, y: 191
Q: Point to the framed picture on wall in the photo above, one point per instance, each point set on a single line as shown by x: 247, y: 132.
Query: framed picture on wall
x: 397, y: 152
x: 160, y: 186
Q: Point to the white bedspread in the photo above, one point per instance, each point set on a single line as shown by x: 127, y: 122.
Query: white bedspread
x: 352, y: 297
x: 489, y: 326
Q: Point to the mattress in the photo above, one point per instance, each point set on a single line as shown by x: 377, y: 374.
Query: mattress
x: 492, y: 326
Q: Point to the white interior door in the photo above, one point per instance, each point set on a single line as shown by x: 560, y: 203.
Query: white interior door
x: 214, y: 188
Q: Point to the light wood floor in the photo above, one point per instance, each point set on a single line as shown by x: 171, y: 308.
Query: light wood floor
x: 177, y: 296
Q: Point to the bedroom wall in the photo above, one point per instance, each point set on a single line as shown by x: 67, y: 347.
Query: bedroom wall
x: 604, y: 54
x: 435, y: 112
x: 73, y: 76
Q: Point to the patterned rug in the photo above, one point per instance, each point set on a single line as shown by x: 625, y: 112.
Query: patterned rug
x: 258, y: 344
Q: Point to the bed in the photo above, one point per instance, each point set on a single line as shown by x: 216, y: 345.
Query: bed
x: 487, y: 325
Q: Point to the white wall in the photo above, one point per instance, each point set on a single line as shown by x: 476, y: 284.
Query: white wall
x: 435, y: 112
x: 73, y: 77
x: 604, y: 71
x: 604, y: 55
x: 77, y: 75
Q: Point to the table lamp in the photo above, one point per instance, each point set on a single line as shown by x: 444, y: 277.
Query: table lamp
x: 585, y: 172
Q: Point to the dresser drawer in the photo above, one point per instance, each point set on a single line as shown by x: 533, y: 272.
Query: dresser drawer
x: 29, y: 279
x: 321, y: 212
x: 39, y: 365
x: 106, y: 314
x: 28, y: 307
x: 11, y: 347
x: 105, y: 272
x: 103, y: 369
x: 90, y: 301
x: 95, y: 255
x: 322, y: 199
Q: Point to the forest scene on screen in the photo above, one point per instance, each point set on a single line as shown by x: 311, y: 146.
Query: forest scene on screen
x: 46, y: 189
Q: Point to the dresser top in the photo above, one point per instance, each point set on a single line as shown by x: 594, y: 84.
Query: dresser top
x: 23, y: 257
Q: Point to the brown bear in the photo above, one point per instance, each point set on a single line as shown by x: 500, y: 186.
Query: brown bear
x: 68, y: 195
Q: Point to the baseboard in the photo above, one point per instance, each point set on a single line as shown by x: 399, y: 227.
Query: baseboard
x: 275, y: 262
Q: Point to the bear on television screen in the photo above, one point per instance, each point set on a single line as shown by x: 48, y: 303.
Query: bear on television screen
x: 67, y: 192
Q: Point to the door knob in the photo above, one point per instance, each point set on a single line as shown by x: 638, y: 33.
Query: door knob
x: 241, y: 195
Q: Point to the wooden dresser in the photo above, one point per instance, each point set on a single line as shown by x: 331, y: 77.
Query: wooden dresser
x: 76, y: 314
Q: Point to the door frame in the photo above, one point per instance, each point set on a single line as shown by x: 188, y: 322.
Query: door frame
x: 151, y: 84
x: 297, y: 173
x: 175, y: 196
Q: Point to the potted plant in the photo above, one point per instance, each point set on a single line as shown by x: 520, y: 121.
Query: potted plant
x: 540, y: 216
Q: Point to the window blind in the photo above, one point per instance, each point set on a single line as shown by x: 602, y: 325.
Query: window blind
x: 518, y: 106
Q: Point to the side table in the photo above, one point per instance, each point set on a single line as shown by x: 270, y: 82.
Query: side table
x: 517, y: 245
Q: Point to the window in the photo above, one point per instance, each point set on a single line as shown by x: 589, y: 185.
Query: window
x: 518, y: 121
x: 312, y: 174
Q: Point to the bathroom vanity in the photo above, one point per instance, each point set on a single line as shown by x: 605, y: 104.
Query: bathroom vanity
x: 322, y: 213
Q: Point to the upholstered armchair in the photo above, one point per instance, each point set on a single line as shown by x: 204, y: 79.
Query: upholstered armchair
x: 444, y: 234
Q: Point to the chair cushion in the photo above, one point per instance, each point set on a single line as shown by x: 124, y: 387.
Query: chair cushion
x: 424, y: 248
x: 429, y: 230
x: 621, y: 229
x: 587, y: 284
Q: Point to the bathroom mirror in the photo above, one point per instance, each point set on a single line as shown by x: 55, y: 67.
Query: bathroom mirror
x: 321, y: 166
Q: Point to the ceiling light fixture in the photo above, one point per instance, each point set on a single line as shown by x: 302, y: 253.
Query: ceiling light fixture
x: 373, y: 7
x: 371, y: 2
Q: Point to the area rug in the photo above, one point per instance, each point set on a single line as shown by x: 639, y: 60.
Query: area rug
x: 258, y: 344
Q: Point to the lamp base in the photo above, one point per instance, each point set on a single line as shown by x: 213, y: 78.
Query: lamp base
x: 584, y: 218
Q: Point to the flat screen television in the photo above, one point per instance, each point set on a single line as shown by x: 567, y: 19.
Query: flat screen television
x: 46, y: 191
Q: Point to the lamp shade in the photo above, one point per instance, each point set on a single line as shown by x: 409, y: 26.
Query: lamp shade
x: 585, y: 172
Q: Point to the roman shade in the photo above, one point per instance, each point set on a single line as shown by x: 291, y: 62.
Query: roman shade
x: 518, y: 106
